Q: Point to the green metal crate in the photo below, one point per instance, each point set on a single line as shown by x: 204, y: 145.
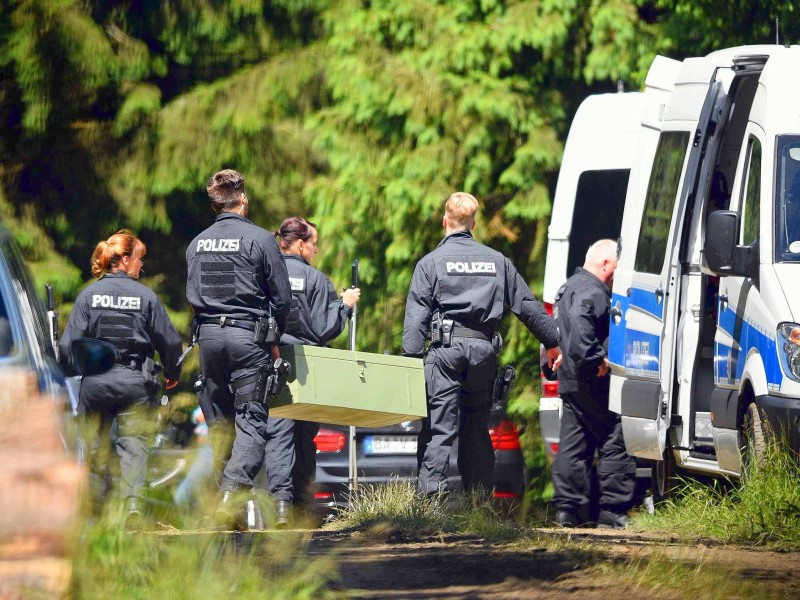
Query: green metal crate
x: 350, y: 388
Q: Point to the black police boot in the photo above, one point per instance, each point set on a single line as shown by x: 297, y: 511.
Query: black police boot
x: 282, y: 508
x: 134, y: 519
x: 611, y: 520
x: 565, y: 518
x: 230, y: 513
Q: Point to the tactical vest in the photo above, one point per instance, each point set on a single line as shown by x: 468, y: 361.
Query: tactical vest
x: 228, y: 273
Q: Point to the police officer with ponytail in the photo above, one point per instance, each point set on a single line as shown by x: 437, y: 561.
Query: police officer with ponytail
x: 318, y: 315
x: 239, y: 288
x: 120, y: 310
x: 458, y: 296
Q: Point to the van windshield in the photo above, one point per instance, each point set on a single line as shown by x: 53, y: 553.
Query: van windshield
x: 787, y: 199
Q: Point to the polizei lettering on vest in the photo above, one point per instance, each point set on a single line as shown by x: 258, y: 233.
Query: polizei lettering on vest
x: 117, y: 302
x: 483, y: 268
x: 218, y: 246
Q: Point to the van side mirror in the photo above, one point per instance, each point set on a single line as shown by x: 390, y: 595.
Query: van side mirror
x: 722, y: 254
x: 90, y: 356
x: 722, y: 229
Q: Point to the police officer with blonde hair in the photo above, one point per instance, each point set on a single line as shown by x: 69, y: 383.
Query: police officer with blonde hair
x: 582, y: 311
x: 458, y: 296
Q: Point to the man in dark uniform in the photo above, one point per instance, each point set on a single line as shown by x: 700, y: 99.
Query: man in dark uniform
x: 459, y: 294
x: 582, y: 310
x: 237, y: 283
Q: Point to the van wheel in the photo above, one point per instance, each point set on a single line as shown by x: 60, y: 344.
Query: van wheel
x: 663, y: 480
x: 752, y: 442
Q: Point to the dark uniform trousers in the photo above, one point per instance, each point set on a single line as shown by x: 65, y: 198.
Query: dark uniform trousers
x: 228, y: 354
x: 458, y: 381
x: 292, y: 462
x: 117, y: 394
x: 588, y: 426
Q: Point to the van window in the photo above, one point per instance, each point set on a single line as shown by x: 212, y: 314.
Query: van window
x: 661, y: 193
x: 752, y: 195
x: 597, y: 214
x: 787, y: 199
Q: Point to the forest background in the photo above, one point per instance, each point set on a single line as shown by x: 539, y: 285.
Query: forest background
x: 362, y: 116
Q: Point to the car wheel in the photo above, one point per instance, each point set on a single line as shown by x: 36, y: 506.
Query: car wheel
x: 752, y: 442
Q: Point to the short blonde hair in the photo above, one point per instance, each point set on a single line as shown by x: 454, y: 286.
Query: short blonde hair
x: 460, y: 210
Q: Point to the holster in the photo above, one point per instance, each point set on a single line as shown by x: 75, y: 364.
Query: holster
x: 436, y: 329
x: 269, y: 381
x: 150, y: 371
x: 266, y: 332
x: 502, y: 384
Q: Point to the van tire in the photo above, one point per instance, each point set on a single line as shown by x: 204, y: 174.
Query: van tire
x: 752, y: 442
x: 663, y: 479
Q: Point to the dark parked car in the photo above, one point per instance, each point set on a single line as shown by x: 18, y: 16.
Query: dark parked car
x: 389, y: 453
x: 24, y: 326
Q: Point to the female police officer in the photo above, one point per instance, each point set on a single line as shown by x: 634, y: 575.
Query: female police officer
x: 120, y: 310
x: 317, y: 316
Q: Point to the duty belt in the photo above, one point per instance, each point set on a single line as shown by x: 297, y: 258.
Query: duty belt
x: 227, y: 322
x: 466, y: 332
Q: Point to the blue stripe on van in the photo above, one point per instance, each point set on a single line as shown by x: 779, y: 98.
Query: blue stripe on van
x: 729, y: 362
x: 641, y: 353
x: 616, y: 342
x: 646, y: 300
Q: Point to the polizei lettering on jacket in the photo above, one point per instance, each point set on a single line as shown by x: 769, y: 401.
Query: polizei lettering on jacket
x: 117, y: 302
x: 480, y: 268
x: 218, y: 246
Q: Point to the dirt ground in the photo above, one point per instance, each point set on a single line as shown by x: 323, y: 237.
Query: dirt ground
x: 561, y: 563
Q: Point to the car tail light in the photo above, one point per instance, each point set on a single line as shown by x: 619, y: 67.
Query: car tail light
x: 554, y: 447
x: 549, y: 388
x: 328, y: 440
x: 323, y: 495
x: 505, y: 494
x: 505, y: 436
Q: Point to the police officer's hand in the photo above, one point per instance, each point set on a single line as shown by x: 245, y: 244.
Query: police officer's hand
x: 276, y: 354
x: 604, y: 368
x: 170, y: 384
x: 553, y: 357
x: 350, y: 296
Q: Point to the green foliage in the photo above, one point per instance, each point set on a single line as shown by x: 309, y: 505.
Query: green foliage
x: 113, y: 563
x: 763, y: 509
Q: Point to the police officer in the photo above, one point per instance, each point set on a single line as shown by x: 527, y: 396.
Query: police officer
x: 317, y: 316
x: 239, y: 288
x: 582, y: 311
x: 459, y: 294
x: 120, y: 310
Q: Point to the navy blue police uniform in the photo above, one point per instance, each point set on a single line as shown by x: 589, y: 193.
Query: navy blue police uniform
x: 317, y: 316
x: 474, y: 286
x: 236, y: 280
x: 582, y: 311
x: 128, y: 314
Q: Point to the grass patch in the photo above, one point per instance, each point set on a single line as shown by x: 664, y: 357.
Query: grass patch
x: 763, y: 509
x: 396, y: 506
x: 113, y: 563
x: 658, y: 573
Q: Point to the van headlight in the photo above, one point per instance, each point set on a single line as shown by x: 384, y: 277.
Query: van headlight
x: 789, y: 349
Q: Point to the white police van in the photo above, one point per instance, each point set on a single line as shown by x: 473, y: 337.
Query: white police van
x: 705, y: 340
x: 588, y: 205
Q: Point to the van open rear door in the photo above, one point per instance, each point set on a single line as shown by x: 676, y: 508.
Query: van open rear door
x: 675, y: 129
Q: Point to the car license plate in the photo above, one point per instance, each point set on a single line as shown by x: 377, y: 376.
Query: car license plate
x: 390, y: 444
